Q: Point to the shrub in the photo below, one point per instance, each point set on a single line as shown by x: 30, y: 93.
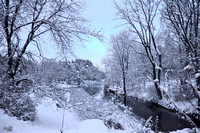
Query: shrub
x: 16, y: 102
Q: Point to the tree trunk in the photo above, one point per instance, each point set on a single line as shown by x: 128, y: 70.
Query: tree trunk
x: 197, y: 71
x: 124, y: 87
x: 156, y: 83
x: 125, y: 100
x: 158, y: 90
x: 198, y: 89
x: 159, y: 70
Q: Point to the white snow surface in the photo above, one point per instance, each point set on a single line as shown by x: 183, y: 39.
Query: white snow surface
x: 92, y: 126
x: 189, y: 67
x: 185, y: 130
x: 197, y: 75
x: 50, y: 121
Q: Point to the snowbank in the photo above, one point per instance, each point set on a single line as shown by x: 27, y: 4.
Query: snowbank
x: 186, y: 130
x: 92, y: 126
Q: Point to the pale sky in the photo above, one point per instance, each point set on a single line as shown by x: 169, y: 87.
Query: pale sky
x: 101, y: 14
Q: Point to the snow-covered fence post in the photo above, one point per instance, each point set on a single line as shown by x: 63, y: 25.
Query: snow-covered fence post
x: 67, y: 99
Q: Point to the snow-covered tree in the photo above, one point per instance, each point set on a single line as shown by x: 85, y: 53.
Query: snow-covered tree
x: 30, y: 23
x: 140, y: 17
x: 121, y: 50
x: 71, y: 72
x: 182, y: 17
x: 86, y: 70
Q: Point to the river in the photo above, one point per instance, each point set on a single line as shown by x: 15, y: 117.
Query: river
x: 166, y: 120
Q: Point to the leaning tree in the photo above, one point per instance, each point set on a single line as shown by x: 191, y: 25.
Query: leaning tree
x: 27, y: 23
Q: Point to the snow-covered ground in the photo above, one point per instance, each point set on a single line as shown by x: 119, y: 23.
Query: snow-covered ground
x: 49, y: 116
x: 50, y: 121
x: 88, y: 117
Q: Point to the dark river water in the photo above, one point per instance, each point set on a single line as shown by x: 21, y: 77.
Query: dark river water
x: 166, y: 120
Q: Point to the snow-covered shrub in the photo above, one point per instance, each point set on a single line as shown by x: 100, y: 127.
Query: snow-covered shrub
x: 112, y: 124
x: 180, y: 92
x: 22, y: 107
x: 16, y: 101
x: 8, y: 128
